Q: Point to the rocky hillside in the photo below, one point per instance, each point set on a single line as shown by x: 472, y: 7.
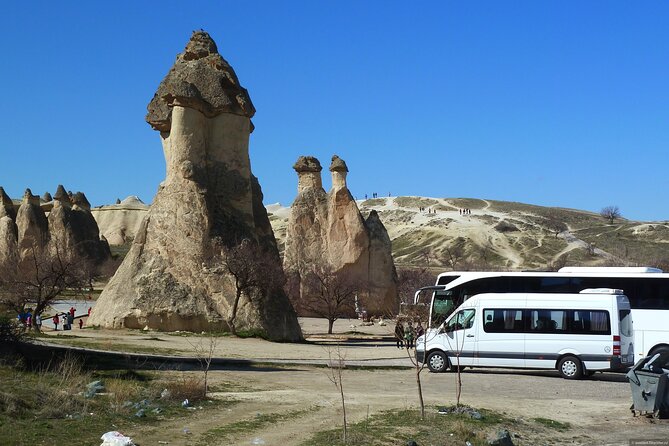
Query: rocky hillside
x: 436, y: 232
x: 499, y: 234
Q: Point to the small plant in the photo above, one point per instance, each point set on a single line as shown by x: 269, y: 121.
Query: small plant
x: 557, y: 425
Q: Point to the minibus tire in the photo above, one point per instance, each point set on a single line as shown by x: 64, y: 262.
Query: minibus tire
x: 437, y: 362
x: 660, y: 349
x: 570, y: 367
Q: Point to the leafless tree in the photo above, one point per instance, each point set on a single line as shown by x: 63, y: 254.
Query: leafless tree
x: 42, y: 276
x: 255, y: 271
x: 327, y: 292
x: 411, y: 279
x: 337, y: 363
x: 610, y: 213
x: 556, y: 226
x: 204, y: 352
x: 454, y: 253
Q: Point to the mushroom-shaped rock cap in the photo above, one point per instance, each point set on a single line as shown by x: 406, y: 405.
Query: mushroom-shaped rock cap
x: 307, y: 164
x: 29, y: 198
x: 61, y: 194
x: 4, y: 198
x: 338, y: 165
x: 47, y: 197
x: 200, y: 79
x: 80, y: 200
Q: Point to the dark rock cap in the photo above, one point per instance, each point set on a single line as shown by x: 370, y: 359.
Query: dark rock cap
x: 61, y: 195
x: 47, y: 197
x: 307, y: 164
x: 338, y: 165
x: 80, y: 200
x: 4, y: 198
x: 201, y: 79
x: 29, y: 198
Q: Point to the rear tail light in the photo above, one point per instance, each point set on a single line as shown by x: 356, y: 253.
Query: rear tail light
x: 616, y: 345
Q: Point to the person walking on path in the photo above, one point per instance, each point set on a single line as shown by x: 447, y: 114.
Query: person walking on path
x: 399, y: 334
x: 56, y: 321
x: 409, y: 336
x: 81, y: 323
x: 38, y: 322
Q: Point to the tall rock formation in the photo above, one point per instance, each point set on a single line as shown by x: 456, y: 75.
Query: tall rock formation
x: 171, y: 278
x: 8, y: 231
x: 73, y: 227
x: 328, y: 227
x: 32, y: 224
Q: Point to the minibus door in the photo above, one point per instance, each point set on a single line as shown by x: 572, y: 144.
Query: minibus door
x: 460, y: 337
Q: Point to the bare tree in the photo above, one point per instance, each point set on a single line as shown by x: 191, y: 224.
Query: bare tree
x: 337, y: 364
x: 610, y: 213
x: 556, y: 226
x: 41, y: 277
x: 204, y: 352
x: 411, y: 279
x: 454, y: 253
x: 255, y: 271
x: 327, y: 292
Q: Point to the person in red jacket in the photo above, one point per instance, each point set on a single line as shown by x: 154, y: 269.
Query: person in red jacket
x: 55, y: 320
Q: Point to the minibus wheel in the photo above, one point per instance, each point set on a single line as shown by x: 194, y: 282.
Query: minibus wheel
x: 437, y: 362
x: 570, y: 367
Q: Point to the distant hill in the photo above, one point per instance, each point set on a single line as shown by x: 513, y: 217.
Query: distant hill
x: 494, y: 235
x: 505, y: 235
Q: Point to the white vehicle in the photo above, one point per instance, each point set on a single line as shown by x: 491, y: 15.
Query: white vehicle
x: 646, y: 288
x: 577, y: 334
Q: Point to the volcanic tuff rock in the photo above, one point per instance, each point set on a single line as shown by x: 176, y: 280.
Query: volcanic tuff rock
x: 71, y: 227
x: 329, y: 226
x: 120, y: 222
x: 171, y: 278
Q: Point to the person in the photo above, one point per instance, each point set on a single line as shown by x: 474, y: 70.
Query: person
x: 419, y: 330
x: 81, y: 323
x: 56, y: 321
x: 89, y: 311
x: 399, y: 334
x: 38, y: 322
x: 408, y: 335
x: 72, y: 310
x: 66, y: 324
x: 70, y: 320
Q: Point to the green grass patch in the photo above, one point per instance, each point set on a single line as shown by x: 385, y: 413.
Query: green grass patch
x: 47, y: 407
x: 229, y: 431
x: 374, y: 202
x: 414, y: 202
x: 399, y: 426
x: 552, y: 424
x: 113, y: 347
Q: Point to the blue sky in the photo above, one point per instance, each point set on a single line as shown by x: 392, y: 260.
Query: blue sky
x: 550, y: 103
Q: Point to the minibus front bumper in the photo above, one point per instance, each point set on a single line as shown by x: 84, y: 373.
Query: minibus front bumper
x: 420, y: 356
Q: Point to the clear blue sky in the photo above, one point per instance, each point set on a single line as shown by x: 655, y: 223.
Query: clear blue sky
x: 544, y: 102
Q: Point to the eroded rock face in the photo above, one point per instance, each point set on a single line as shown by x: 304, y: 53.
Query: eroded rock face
x: 171, y: 279
x: 328, y: 227
x: 72, y: 225
x: 32, y: 224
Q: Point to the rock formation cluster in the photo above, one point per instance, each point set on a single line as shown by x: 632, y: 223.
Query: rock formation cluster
x: 171, y: 278
x: 70, y: 226
x: 120, y: 222
x: 329, y: 228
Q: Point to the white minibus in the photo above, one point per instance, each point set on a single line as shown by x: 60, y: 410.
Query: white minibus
x: 577, y: 334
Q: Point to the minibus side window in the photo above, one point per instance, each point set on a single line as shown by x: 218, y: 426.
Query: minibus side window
x: 464, y: 319
x: 503, y: 321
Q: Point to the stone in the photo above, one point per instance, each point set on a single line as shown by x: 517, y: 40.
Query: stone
x: 47, y: 197
x: 502, y: 438
x: 6, y: 205
x: 32, y: 224
x: 329, y: 227
x: 8, y: 241
x: 171, y: 279
x: 120, y: 222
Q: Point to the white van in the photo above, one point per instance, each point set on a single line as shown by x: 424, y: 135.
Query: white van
x: 577, y: 334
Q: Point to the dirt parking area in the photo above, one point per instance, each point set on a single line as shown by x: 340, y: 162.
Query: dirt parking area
x: 597, y: 409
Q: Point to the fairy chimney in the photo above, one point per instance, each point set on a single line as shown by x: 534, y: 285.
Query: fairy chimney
x: 171, y: 278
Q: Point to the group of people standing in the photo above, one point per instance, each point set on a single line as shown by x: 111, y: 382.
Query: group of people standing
x: 27, y: 319
x: 68, y: 320
x: 465, y: 211
x: 406, y: 336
